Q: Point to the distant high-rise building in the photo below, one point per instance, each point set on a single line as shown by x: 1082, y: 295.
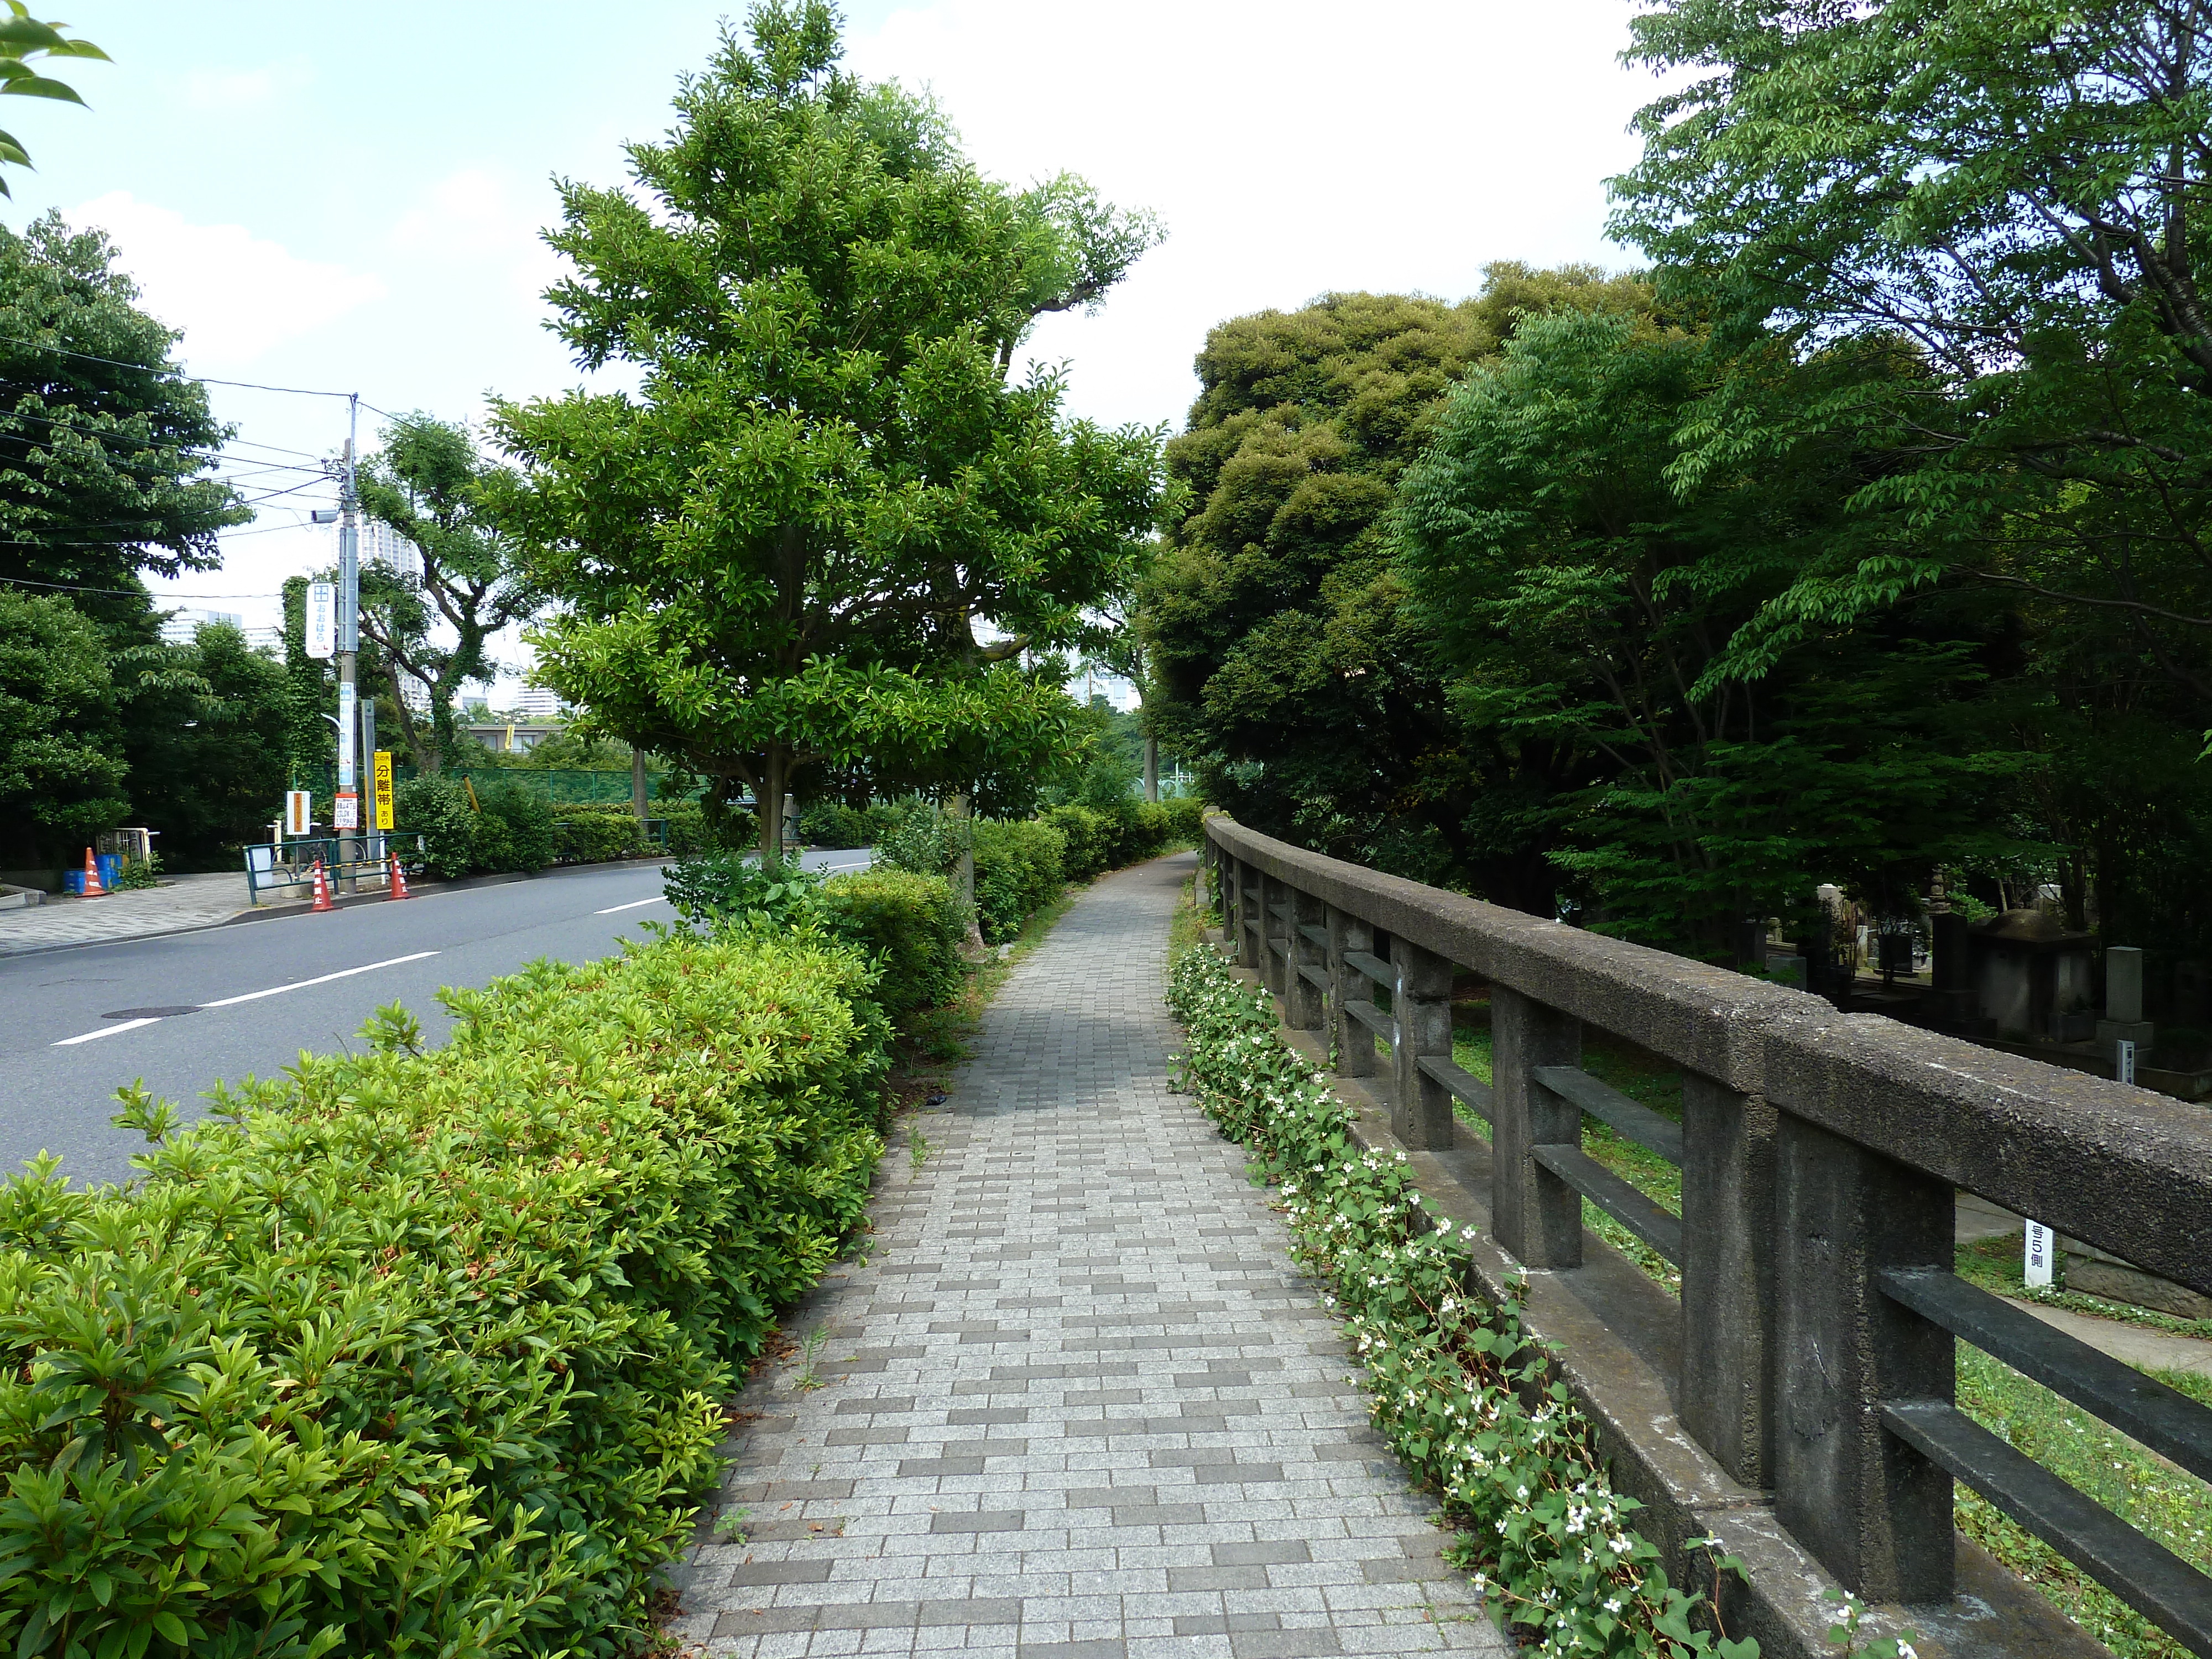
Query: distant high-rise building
x: 539, y: 702
x: 381, y: 545
x: 182, y: 627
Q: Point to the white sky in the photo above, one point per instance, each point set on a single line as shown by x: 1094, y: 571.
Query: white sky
x: 350, y: 199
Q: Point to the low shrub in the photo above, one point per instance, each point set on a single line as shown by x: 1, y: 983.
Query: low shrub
x: 1019, y: 869
x: 594, y: 833
x: 833, y: 823
x: 1457, y: 1388
x: 1186, y: 817
x: 725, y: 885
x: 689, y: 829
x: 910, y: 925
x: 424, y: 1352
x: 514, y: 828
x: 1086, y: 837
x: 440, y: 811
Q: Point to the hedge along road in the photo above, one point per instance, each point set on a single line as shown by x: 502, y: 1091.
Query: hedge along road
x: 77, y: 1024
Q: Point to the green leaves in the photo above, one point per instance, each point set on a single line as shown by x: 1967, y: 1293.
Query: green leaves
x: 411, y: 1351
x: 23, y: 37
x: 1451, y: 1378
x: 777, y: 559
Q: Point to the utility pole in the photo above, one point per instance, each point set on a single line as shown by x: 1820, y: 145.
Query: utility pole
x: 347, y: 812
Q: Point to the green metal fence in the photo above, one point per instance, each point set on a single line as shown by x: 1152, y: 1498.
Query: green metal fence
x: 564, y: 787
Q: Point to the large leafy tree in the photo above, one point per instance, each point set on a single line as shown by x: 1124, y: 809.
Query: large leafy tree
x: 1283, y: 662
x: 1582, y: 598
x: 107, y: 453
x: 2012, y: 200
x: 783, y: 555
x: 61, y: 763
x: 430, y: 483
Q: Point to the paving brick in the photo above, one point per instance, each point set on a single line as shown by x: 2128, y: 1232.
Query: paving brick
x: 1077, y: 1403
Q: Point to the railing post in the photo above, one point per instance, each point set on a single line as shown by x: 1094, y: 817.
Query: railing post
x: 1873, y: 1511
x: 1539, y: 1218
x: 1309, y: 1009
x: 1247, y: 910
x: 1355, y: 1043
x: 1726, y: 1399
x: 1420, y: 1017
x: 1271, y: 893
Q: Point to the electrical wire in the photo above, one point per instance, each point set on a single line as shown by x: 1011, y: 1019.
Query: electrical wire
x: 173, y: 374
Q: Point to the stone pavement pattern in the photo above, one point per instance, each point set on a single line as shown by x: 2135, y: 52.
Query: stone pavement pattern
x: 1079, y: 1403
x: 183, y: 903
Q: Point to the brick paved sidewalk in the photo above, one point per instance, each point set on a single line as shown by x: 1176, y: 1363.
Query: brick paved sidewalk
x: 1079, y: 1403
x: 181, y: 904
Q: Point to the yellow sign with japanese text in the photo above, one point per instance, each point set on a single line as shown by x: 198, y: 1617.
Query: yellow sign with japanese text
x: 383, y: 789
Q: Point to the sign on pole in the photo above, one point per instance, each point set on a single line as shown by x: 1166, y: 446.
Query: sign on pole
x: 322, y: 620
x: 299, y: 813
x: 345, y: 810
x: 383, y: 789
x: 346, y: 737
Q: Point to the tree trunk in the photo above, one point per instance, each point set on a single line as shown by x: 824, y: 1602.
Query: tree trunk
x: 1152, y: 769
x: 768, y: 802
x: 637, y: 785
x: 964, y: 872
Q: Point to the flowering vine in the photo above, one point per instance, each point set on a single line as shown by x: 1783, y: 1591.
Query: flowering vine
x: 1457, y: 1387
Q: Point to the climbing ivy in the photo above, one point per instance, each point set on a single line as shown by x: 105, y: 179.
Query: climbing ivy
x: 1458, y: 1387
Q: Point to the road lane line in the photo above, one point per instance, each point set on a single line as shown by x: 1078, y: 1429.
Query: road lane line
x: 321, y: 979
x: 105, y: 1031
x: 658, y: 898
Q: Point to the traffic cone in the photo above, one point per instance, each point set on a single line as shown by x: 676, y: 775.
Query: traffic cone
x: 322, y: 891
x: 398, y: 880
x: 92, y: 887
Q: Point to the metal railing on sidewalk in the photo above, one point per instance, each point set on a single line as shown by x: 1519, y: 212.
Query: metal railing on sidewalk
x: 288, y: 867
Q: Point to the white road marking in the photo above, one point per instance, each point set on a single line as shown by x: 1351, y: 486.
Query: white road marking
x: 321, y: 979
x: 658, y: 898
x: 107, y: 1030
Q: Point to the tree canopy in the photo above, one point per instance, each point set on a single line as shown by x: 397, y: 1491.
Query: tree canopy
x: 832, y: 527
x: 431, y: 485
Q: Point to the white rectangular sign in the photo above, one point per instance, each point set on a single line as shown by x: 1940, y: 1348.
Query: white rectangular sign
x: 298, y: 813
x: 2035, y: 1266
x: 345, y: 735
x: 322, y: 620
x: 345, y: 811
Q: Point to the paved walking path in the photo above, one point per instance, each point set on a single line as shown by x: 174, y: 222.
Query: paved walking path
x: 1079, y: 1403
x: 180, y: 905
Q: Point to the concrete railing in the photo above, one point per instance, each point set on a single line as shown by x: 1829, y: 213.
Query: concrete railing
x: 1797, y: 1398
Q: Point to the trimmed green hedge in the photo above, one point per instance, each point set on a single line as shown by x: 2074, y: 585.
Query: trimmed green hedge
x: 424, y: 1352
x: 505, y: 827
x: 1020, y: 867
x: 909, y: 924
x: 593, y: 833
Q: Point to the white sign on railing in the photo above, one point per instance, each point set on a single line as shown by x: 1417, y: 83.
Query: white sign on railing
x: 322, y: 620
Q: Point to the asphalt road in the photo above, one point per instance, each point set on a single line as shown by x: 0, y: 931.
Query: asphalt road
x: 77, y: 1025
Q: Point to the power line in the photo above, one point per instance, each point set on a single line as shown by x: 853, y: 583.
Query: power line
x: 174, y: 374
x: 133, y: 593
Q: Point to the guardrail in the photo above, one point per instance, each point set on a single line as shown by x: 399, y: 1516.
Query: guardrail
x: 288, y: 867
x: 1811, y: 1355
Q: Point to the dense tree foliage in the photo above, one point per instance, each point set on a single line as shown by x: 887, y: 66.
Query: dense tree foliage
x: 779, y: 557
x: 1285, y: 666
x: 107, y: 464
x: 430, y: 485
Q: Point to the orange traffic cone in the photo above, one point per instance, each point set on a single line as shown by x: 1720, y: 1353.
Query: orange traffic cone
x: 322, y: 890
x: 92, y: 887
x: 398, y: 880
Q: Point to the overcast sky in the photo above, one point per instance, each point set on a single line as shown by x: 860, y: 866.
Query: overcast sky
x: 349, y: 198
